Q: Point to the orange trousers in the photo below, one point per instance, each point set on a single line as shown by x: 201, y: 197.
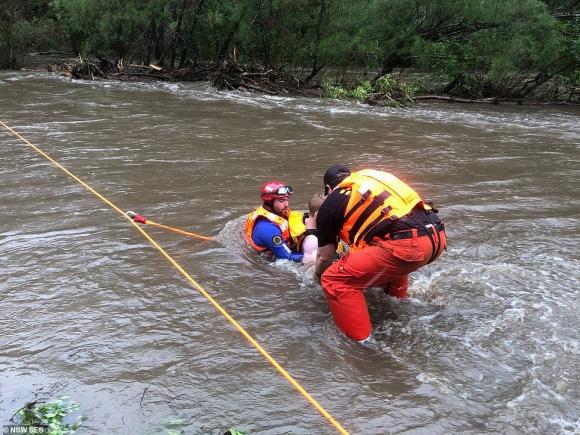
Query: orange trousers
x: 385, y: 263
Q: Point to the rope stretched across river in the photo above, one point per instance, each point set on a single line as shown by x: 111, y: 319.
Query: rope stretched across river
x: 194, y: 283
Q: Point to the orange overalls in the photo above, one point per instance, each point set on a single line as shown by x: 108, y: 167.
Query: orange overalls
x: 381, y: 261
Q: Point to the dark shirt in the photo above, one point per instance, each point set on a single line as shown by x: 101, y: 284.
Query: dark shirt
x: 330, y: 219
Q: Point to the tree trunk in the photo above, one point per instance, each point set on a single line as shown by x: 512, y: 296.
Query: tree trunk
x: 160, y: 44
x: 177, y: 34
x: 225, y: 48
x: 150, y: 41
x: 315, y: 67
x: 195, y: 45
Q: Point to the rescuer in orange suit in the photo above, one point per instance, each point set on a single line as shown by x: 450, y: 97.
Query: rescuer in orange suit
x: 391, y: 232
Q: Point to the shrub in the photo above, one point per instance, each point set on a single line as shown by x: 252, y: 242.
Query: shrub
x: 50, y: 415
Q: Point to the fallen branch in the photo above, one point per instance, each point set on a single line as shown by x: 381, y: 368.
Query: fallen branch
x: 456, y: 100
x: 256, y: 74
x: 29, y: 405
x: 144, y: 391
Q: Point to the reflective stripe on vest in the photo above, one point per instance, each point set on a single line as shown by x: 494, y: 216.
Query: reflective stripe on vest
x: 375, y: 196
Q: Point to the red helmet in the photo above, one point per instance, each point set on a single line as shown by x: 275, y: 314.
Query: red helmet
x: 272, y: 190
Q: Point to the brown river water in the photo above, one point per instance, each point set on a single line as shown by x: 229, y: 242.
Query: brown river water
x: 488, y: 342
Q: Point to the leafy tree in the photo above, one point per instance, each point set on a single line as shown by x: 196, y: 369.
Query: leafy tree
x: 25, y: 25
x: 124, y: 29
x: 473, y: 48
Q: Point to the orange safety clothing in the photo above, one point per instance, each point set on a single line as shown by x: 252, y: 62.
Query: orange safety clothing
x: 387, y: 263
x: 391, y: 233
x: 292, y: 229
x: 375, y: 197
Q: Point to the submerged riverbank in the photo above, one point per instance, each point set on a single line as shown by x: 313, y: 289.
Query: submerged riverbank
x: 401, y: 89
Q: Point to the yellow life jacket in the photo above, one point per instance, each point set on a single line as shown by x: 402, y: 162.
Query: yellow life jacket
x: 297, y: 228
x: 292, y: 229
x: 375, y: 196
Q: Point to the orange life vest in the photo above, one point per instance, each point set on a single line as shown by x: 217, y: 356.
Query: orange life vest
x: 292, y: 229
x: 375, y: 196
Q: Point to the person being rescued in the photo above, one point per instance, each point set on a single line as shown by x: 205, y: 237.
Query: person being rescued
x: 391, y: 232
x: 273, y: 227
x: 310, y: 241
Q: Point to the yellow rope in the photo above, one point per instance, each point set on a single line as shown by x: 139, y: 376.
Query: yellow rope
x: 178, y: 231
x: 240, y: 329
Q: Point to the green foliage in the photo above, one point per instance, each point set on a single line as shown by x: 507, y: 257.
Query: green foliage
x: 118, y: 28
x: 395, y: 88
x: 34, y: 34
x: 50, y: 415
x: 362, y: 91
x: 173, y: 425
x: 25, y: 26
x: 331, y: 90
x: 473, y: 48
x: 508, y: 49
x: 387, y: 90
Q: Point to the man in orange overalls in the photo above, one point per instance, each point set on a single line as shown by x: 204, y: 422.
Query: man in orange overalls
x: 391, y: 233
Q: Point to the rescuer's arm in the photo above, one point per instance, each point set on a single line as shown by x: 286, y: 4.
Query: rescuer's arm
x: 269, y: 236
x: 283, y: 252
x: 324, y: 257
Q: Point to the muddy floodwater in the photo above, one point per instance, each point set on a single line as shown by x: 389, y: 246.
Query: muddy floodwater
x: 488, y: 342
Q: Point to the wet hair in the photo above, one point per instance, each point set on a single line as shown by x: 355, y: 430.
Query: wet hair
x: 315, y: 203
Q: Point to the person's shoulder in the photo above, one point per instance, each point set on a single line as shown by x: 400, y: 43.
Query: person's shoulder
x: 340, y: 193
x: 264, y: 225
x: 310, y: 238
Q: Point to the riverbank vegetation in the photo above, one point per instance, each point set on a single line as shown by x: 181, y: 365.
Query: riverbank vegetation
x: 377, y: 51
x: 48, y: 417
